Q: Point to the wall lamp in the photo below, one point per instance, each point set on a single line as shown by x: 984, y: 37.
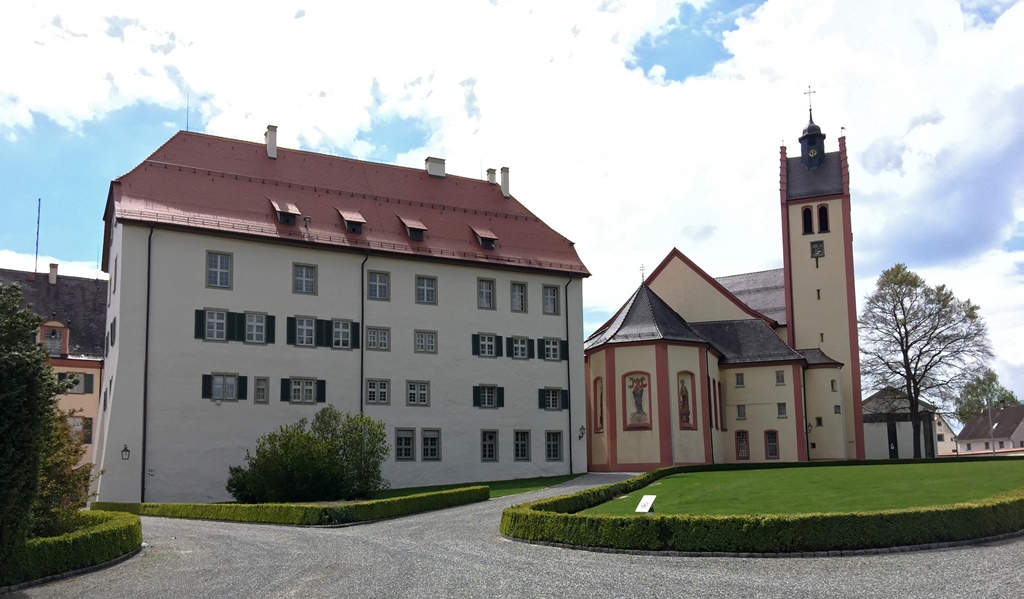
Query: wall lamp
x: 583, y: 431
x: 125, y: 453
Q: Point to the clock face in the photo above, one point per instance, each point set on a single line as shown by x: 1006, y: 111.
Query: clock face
x: 812, y: 153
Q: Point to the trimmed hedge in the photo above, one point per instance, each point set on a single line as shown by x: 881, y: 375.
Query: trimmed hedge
x: 555, y: 520
x: 306, y: 515
x: 103, y: 537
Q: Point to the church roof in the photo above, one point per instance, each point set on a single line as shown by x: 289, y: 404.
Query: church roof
x: 1005, y: 422
x: 78, y: 303
x: 803, y: 182
x: 816, y: 357
x: 227, y: 186
x: 762, y: 291
x: 746, y: 341
x: 644, y: 317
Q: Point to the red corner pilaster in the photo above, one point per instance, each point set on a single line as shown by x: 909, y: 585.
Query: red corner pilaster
x: 664, y: 403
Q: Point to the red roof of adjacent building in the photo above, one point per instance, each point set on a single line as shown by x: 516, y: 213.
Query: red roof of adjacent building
x: 230, y: 186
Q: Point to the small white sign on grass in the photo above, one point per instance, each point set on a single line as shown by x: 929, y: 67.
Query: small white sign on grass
x: 646, y: 504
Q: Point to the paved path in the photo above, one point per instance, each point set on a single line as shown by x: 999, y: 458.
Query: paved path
x: 459, y: 553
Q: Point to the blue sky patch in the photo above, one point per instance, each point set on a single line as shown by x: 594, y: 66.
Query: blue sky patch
x: 393, y: 136
x: 693, y: 45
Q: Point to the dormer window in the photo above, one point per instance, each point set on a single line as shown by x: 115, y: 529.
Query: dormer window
x: 54, y: 339
x: 286, y: 212
x: 414, y: 228
x: 485, y: 237
x: 353, y: 221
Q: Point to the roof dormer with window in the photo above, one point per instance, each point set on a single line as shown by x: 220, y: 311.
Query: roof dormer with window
x: 286, y: 212
x: 414, y: 228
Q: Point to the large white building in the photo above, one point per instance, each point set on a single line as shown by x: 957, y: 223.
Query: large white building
x: 251, y: 285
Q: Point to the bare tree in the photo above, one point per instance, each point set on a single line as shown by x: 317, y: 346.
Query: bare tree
x: 921, y: 340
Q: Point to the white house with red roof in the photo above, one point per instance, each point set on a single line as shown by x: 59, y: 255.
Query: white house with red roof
x: 754, y: 367
x: 999, y: 430
x: 255, y: 284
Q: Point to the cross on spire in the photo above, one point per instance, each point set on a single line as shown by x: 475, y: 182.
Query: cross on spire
x: 808, y: 93
x: 642, y: 269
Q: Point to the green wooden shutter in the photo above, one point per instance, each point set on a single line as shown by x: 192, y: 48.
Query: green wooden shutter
x: 87, y: 431
x: 497, y: 346
x: 236, y: 326
x: 563, y: 349
x: 476, y: 345
x: 355, y: 335
x: 509, y: 350
x: 88, y: 383
x: 541, y: 403
x: 242, y: 388
x: 286, y: 389
x: 565, y: 399
x: 269, y: 335
x: 540, y: 348
x: 207, y: 386
x: 290, y: 331
x: 200, y: 324
x: 476, y: 396
x: 321, y: 391
x: 529, y: 349
x: 501, y: 397
x: 322, y: 333
x: 61, y: 376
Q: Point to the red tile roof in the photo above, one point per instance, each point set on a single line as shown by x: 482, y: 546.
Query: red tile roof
x: 213, y: 183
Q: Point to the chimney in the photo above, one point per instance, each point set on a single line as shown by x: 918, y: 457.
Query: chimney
x: 435, y: 166
x: 271, y: 137
x: 504, y: 181
x: 490, y: 176
x: 53, y: 274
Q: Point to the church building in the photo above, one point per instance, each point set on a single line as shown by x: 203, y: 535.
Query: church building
x: 752, y: 367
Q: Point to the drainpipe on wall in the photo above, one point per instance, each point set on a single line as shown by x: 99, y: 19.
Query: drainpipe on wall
x: 145, y: 365
x: 362, y: 321
x: 568, y: 366
x: 807, y: 416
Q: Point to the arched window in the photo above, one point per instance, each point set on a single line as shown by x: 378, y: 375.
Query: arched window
x: 822, y: 219
x: 598, y: 405
x: 835, y: 387
x: 808, y: 225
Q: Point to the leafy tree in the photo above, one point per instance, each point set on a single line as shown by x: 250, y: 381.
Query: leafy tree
x: 63, y: 483
x: 28, y: 397
x: 338, y: 457
x: 983, y: 391
x: 920, y: 339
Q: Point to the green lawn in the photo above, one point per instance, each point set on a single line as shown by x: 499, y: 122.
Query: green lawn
x: 824, y: 489
x: 499, y: 488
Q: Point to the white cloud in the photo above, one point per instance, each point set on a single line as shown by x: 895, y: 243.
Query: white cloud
x: 624, y: 164
x: 27, y: 262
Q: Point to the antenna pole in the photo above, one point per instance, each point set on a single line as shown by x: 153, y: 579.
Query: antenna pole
x: 39, y: 212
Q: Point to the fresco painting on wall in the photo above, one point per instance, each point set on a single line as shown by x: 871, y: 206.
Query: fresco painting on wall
x: 684, y: 385
x: 637, y: 400
x: 599, y: 405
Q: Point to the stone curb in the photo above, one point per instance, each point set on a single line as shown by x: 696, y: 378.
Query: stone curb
x: 794, y: 554
x: 73, y: 573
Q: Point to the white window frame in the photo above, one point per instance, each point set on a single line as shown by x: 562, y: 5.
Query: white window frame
x: 485, y: 294
x: 220, y: 273
x: 489, y: 342
x: 768, y: 454
x: 426, y: 290
x: 552, y: 349
x: 780, y: 410
x: 740, y: 382
x: 552, y: 398
x: 378, y: 391
x: 489, y: 445
x: 551, y: 299
x: 521, y: 446
x: 405, y: 452
x: 224, y: 387
x: 740, y: 447
x: 255, y: 327
x: 378, y: 338
x: 378, y: 285
x: 261, y: 390
x: 305, y: 331
x: 341, y: 334
x: 425, y: 342
x: 780, y: 377
x: 304, y: 278
x: 417, y: 393
x: 303, y: 390
x: 53, y: 341
x: 216, y: 325
x: 430, y: 451
x: 488, y: 396
x: 553, y: 446
x: 518, y: 300
x: 741, y: 411
x: 520, y: 348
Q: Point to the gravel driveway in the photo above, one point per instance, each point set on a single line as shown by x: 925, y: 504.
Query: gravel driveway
x: 458, y: 553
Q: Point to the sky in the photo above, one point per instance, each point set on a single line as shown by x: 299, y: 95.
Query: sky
x: 631, y: 127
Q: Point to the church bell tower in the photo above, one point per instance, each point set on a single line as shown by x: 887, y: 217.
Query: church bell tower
x: 821, y: 303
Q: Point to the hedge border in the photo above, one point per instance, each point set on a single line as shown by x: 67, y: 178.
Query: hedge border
x: 306, y: 515
x: 105, y: 538
x: 555, y: 520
